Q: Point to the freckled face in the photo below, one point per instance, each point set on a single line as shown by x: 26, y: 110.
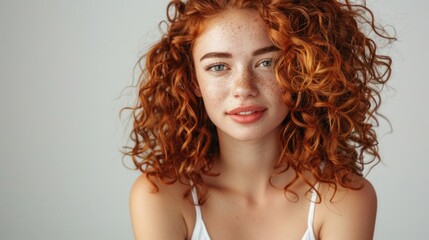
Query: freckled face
x: 233, y: 60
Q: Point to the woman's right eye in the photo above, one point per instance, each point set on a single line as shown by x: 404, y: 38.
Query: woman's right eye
x: 218, y: 67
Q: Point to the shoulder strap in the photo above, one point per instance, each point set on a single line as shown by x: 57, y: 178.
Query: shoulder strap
x: 311, y: 210
x: 197, y: 206
x: 200, y: 231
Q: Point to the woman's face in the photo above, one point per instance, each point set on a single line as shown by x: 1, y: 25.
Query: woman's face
x: 233, y: 59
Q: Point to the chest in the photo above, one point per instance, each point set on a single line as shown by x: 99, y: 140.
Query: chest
x: 287, y: 220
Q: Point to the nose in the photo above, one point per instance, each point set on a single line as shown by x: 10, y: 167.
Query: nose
x: 244, y: 84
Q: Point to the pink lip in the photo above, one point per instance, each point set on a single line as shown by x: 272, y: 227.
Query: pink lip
x: 257, y: 113
x: 252, y: 108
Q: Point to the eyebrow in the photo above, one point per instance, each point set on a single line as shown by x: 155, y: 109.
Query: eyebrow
x: 257, y: 52
x: 264, y: 50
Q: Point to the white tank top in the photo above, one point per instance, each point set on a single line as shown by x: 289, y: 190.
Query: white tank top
x: 200, y: 230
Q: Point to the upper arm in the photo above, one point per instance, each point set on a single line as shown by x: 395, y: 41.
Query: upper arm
x: 154, y: 215
x: 351, y: 215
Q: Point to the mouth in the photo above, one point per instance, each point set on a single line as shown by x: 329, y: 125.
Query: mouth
x: 246, y: 110
x: 247, y: 114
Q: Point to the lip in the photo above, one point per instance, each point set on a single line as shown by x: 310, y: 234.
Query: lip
x: 251, y: 113
x: 250, y: 108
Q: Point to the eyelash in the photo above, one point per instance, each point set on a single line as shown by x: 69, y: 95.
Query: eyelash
x: 264, y: 61
x: 212, y: 66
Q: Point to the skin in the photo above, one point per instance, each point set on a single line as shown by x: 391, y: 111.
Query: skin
x: 241, y: 203
x: 234, y: 73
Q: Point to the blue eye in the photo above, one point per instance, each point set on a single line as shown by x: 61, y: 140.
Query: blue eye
x: 217, y: 67
x: 266, y: 63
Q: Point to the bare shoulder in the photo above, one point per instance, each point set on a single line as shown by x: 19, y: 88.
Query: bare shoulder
x: 348, y: 214
x: 157, y: 214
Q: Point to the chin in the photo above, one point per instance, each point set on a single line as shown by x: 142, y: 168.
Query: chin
x: 248, y: 135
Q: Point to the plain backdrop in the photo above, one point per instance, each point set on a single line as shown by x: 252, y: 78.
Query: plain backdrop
x: 63, y: 65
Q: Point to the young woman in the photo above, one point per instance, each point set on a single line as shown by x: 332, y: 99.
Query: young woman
x: 253, y: 120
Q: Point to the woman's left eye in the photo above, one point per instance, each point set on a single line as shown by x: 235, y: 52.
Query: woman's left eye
x: 266, y: 63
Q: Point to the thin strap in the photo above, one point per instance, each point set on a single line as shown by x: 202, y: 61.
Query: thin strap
x: 195, y: 199
x: 312, y: 209
x: 200, y: 231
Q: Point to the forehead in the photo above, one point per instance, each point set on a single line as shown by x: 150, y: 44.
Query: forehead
x: 233, y: 30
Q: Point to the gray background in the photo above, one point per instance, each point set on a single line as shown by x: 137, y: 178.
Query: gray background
x: 63, y: 65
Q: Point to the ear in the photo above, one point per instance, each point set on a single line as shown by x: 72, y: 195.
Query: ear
x: 197, y: 91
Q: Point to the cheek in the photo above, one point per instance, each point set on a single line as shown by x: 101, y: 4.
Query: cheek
x: 212, y: 89
x: 208, y: 87
x: 211, y: 95
x: 270, y: 86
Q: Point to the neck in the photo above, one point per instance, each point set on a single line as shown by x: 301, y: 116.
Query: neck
x: 246, y: 166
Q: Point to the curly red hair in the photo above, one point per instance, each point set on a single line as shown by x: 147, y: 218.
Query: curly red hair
x: 330, y: 69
